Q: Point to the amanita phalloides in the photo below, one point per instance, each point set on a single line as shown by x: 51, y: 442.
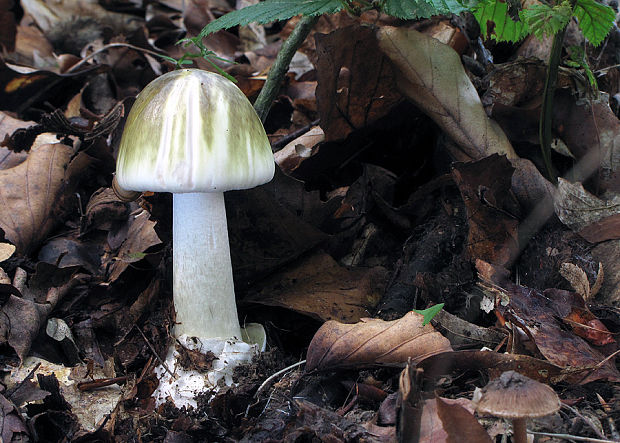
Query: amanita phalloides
x: 195, y: 134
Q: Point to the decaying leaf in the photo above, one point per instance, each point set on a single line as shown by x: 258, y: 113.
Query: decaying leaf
x: 456, y: 421
x: 6, y: 250
x: 492, y: 210
x: 318, y: 286
x: 355, y: 81
x: 374, y: 342
x: 538, y: 314
x: 29, y: 195
x: 595, y: 219
x: 494, y: 363
x: 579, y: 280
x: 141, y: 235
x: 433, y: 77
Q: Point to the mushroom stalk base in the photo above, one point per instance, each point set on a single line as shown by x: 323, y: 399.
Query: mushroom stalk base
x: 182, y: 385
x: 204, y: 295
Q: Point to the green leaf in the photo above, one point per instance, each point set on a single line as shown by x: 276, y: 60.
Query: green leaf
x: 595, y: 20
x: 495, y: 22
x: 413, y: 9
x: 429, y: 313
x: 272, y: 10
x: 544, y: 20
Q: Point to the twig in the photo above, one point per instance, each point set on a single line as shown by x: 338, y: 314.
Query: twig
x: 572, y: 437
x: 282, y: 142
x: 108, y: 46
x: 281, y: 64
x: 273, y: 376
x: 101, y: 382
x: 161, y: 362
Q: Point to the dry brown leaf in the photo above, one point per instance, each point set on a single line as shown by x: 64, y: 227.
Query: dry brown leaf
x: 30, y: 193
x: 6, y: 250
x: 141, y: 235
x: 433, y: 77
x: 579, y: 210
x: 577, y: 278
x: 451, y: 421
x: 321, y: 288
x: 355, y: 81
x: 374, y: 342
x: 492, y: 210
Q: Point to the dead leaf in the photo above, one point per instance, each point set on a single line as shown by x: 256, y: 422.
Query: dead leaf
x: 374, y: 342
x: 6, y: 251
x: 494, y: 363
x: 12, y: 426
x: 355, y: 82
x: 8, y: 27
x: 598, y: 153
x: 452, y: 421
x: 595, y: 219
x: 577, y: 278
x: 294, y: 153
x: 446, y: 95
x: 319, y: 287
x: 492, y: 210
x: 141, y: 235
x: 30, y: 192
x: 537, y: 315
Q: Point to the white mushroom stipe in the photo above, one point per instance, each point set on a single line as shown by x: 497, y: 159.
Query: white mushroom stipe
x: 204, y: 295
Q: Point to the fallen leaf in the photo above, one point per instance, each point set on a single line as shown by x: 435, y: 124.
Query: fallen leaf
x: 537, y: 315
x: 598, y: 154
x: 355, y: 82
x: 141, y: 235
x: 595, y: 219
x: 374, y: 342
x: 445, y: 94
x: 494, y: 363
x: 8, y: 27
x: 456, y: 421
x: 12, y: 426
x: 30, y: 193
x: 320, y: 287
x: 492, y: 210
x: 6, y: 251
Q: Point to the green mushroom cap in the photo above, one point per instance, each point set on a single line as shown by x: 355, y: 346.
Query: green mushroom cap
x: 193, y: 131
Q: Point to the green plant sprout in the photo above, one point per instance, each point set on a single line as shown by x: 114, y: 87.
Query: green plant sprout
x: 429, y: 313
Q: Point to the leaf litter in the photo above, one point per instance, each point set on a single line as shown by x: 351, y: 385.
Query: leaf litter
x: 409, y: 177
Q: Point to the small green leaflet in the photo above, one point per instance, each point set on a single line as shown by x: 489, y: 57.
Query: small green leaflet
x: 272, y: 10
x: 495, y: 21
x: 595, y: 20
x: 544, y: 20
x: 412, y: 9
x: 429, y: 313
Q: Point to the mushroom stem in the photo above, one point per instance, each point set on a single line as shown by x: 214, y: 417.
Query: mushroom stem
x: 204, y: 295
x: 519, y: 431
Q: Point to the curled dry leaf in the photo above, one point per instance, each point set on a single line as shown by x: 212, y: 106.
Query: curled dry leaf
x: 595, y: 219
x: 577, y: 278
x: 6, y: 250
x: 374, y: 342
x: 29, y: 195
x: 433, y: 77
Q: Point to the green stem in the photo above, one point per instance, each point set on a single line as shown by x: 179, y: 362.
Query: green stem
x: 546, y: 113
x: 280, y: 66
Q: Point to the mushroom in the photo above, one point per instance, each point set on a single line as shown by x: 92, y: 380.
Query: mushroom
x: 195, y: 134
x: 516, y: 397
